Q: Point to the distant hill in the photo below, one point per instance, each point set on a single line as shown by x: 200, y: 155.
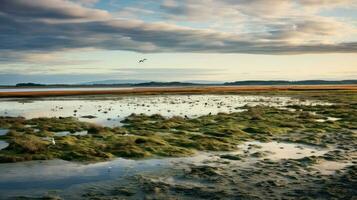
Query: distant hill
x: 204, y: 82
x: 306, y: 82
x: 114, y: 82
x: 141, y: 83
x: 29, y: 85
x: 146, y: 82
x: 158, y: 84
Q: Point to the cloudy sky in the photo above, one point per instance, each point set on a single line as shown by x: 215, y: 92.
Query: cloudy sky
x: 73, y: 41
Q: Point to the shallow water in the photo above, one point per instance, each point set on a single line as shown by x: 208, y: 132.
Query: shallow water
x: 38, y: 177
x: 63, y: 89
x: 65, y: 133
x: 282, y: 150
x: 327, y: 167
x: 68, y: 179
x: 111, y: 110
x: 331, y: 119
x: 3, y: 131
x: 3, y: 144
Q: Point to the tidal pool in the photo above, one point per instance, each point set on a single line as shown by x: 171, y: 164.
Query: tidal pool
x: 109, y: 111
x: 327, y: 167
x: 35, y: 178
x: 3, y: 131
x: 331, y: 119
x: 65, y: 133
x: 71, y: 179
x: 3, y: 144
x: 282, y: 150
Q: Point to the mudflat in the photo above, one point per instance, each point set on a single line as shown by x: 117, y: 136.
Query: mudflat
x: 257, y: 144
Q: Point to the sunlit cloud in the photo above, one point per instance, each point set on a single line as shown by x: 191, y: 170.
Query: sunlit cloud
x: 49, y: 27
x: 37, y: 34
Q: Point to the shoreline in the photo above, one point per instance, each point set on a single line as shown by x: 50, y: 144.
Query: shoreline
x: 176, y: 90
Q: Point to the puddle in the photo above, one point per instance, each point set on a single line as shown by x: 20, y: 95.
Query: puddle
x: 65, y: 133
x: 331, y: 119
x: 327, y: 167
x: 3, y: 131
x: 281, y: 150
x: 320, y: 120
x: 37, y: 177
x: 3, y: 144
x: 109, y: 111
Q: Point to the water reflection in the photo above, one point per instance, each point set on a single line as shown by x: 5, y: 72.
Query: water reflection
x: 65, y: 133
x: 3, y: 144
x: 328, y: 167
x: 37, y: 177
x: 110, y: 111
x: 63, y: 89
x: 3, y: 131
x: 282, y: 150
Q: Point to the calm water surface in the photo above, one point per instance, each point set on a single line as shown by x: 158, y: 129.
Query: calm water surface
x: 62, y: 89
x: 109, y: 111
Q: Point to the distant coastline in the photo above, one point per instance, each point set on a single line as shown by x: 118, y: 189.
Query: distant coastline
x: 181, y: 84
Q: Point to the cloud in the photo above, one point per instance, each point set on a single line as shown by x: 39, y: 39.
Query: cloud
x: 206, y: 9
x: 86, y: 2
x: 49, y: 9
x: 327, y: 3
x: 58, y: 25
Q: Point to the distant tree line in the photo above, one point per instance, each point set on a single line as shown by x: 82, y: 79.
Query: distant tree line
x: 168, y: 84
x: 29, y: 85
x: 307, y: 82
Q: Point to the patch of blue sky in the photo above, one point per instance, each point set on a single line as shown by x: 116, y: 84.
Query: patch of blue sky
x: 349, y: 13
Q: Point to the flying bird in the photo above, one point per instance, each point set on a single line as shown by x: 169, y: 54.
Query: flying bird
x: 142, y: 60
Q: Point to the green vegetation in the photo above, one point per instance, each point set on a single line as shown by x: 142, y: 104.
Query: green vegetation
x: 145, y: 136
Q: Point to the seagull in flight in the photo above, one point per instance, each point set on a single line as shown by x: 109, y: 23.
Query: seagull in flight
x: 142, y: 60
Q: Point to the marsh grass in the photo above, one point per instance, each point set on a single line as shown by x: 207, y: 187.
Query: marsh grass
x: 144, y: 136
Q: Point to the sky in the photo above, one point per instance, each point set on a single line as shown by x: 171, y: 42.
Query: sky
x: 74, y: 41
